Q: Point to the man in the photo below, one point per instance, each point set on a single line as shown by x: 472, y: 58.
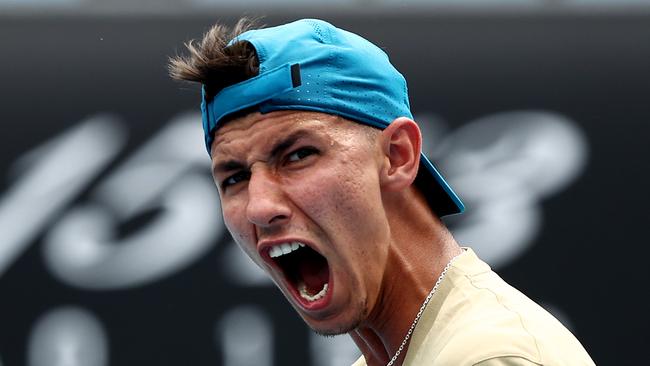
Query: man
x: 322, y: 183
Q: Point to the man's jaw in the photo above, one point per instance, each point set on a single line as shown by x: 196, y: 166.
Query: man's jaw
x: 303, y: 271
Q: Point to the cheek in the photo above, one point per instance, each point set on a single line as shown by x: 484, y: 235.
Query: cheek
x: 345, y: 199
x: 242, y: 234
x: 235, y: 220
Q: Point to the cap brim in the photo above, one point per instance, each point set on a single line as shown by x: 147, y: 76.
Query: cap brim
x: 441, y: 198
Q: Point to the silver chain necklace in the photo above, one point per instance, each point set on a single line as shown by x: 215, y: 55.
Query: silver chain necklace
x: 424, y: 305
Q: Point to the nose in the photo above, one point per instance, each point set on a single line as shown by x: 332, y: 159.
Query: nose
x: 267, y: 203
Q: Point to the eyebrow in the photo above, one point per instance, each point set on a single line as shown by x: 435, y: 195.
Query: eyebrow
x: 278, y: 148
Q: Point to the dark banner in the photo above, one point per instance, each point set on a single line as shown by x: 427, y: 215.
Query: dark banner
x: 112, y: 247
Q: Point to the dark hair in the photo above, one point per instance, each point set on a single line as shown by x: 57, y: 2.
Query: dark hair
x: 213, y: 63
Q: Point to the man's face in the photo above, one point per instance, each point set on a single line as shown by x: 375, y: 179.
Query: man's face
x: 300, y: 195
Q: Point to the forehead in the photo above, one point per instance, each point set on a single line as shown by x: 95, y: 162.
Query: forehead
x: 258, y: 129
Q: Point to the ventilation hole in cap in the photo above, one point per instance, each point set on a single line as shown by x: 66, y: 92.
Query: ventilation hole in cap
x: 317, y: 30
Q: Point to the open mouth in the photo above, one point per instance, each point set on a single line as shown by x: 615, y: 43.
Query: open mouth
x: 306, y: 270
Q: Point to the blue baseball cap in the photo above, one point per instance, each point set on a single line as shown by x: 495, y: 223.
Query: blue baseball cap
x: 311, y: 65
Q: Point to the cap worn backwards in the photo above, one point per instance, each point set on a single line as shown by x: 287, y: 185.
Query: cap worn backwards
x: 311, y: 65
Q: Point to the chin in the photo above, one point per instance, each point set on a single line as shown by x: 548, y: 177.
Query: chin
x: 338, y: 324
x: 331, y: 331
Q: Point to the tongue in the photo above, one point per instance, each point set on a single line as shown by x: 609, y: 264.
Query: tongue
x: 314, y: 272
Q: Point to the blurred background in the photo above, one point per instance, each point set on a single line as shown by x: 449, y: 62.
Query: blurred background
x: 112, y: 248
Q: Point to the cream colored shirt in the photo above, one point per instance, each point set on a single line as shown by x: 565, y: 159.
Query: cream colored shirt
x: 476, y: 318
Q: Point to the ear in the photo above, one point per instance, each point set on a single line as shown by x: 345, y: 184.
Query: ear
x: 401, y: 143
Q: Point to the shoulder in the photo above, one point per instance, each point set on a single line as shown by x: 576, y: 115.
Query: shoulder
x: 489, y: 343
x: 495, y: 337
x: 485, y: 321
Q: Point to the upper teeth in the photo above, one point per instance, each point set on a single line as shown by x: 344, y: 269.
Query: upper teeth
x: 285, y: 248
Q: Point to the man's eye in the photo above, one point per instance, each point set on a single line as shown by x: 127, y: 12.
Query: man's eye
x: 235, y: 178
x: 301, y: 154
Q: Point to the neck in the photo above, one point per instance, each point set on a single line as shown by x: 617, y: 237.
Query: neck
x: 420, y: 248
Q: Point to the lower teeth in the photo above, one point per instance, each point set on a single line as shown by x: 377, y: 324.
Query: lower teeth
x: 305, y: 295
